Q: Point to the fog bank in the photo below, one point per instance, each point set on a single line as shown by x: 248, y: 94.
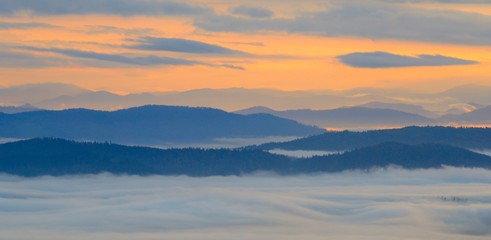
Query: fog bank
x: 387, y: 204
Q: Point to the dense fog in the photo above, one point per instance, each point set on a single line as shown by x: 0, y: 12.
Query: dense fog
x: 445, y: 204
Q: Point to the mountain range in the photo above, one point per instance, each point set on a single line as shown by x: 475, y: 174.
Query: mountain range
x: 347, y: 118
x: 18, y: 109
x: 57, y: 157
x: 478, y: 116
x: 149, y: 125
x: 58, y: 96
x: 356, y: 109
x: 376, y: 115
x: 403, y: 107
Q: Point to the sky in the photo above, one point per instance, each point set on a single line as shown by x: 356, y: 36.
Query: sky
x: 128, y: 46
x: 443, y: 204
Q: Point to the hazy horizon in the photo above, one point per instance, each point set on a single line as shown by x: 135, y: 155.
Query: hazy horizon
x: 413, y: 89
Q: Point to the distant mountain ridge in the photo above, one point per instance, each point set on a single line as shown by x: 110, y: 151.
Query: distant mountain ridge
x: 404, y: 107
x: 18, y: 109
x: 149, y: 124
x: 473, y: 138
x: 228, y: 99
x: 347, y: 117
x: 63, y: 96
x: 34, y: 93
x: 38, y: 157
x: 470, y: 93
x: 478, y: 116
x: 401, y: 107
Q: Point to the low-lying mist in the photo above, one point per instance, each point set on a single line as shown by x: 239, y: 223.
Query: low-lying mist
x: 449, y: 203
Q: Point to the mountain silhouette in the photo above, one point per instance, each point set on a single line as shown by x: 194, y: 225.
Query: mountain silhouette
x: 478, y: 116
x: 37, y: 157
x: 64, y: 96
x: 18, y: 109
x: 404, y: 107
x: 34, y: 93
x: 148, y: 125
x: 349, y: 117
x: 473, y: 138
x: 470, y: 93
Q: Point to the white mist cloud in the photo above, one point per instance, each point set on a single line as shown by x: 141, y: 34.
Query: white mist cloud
x: 393, y: 204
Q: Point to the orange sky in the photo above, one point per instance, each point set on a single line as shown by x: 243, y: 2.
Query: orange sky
x: 289, y: 61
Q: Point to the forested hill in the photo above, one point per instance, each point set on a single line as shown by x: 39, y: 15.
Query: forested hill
x: 473, y: 138
x: 420, y: 156
x: 149, y: 125
x: 49, y: 156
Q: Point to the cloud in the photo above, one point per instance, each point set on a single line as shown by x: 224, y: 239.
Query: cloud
x: 231, y: 66
x: 389, y: 60
x: 102, y: 29
x: 253, y: 12
x: 256, y: 44
x: 196, y: 47
x: 148, y: 60
x: 181, y: 45
x: 371, y: 19
x: 109, y: 60
x: 25, y: 25
x: 112, y: 7
x: 16, y: 59
x: 391, y: 204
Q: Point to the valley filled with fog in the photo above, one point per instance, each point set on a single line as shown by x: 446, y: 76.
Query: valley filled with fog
x: 450, y: 203
x: 245, y: 120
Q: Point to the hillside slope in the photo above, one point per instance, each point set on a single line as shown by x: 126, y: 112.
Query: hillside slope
x: 148, y: 125
x: 56, y: 157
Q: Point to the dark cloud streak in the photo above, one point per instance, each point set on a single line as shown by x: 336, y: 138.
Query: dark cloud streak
x: 16, y: 59
x: 25, y: 25
x: 149, y: 60
x: 389, y: 60
x: 102, y: 29
x: 181, y: 45
x: 253, y: 12
x: 120, y: 60
x: 112, y: 7
x: 373, y: 20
